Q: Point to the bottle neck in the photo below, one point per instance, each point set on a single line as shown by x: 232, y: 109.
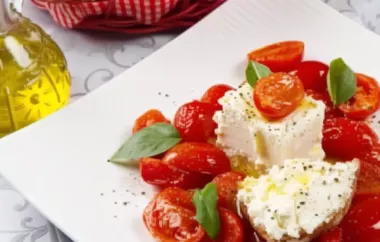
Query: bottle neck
x: 8, y: 14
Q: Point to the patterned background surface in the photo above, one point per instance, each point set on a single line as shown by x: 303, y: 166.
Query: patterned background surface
x: 106, y: 57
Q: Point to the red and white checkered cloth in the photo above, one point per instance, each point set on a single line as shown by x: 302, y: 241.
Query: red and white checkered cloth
x: 71, y: 14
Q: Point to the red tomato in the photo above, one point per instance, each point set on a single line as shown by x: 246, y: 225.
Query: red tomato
x: 227, y: 185
x: 347, y: 139
x: 330, y: 111
x: 169, y: 221
x: 282, y: 56
x: 155, y: 172
x: 148, y: 118
x: 358, y: 198
x: 365, y: 101
x: 194, y: 121
x: 313, y: 75
x: 362, y: 221
x: 332, y: 236
x: 198, y: 157
x: 373, y: 155
x: 278, y: 94
x: 215, y: 92
x: 369, y: 178
x: 231, y: 228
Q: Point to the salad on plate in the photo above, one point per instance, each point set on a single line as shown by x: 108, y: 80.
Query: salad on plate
x: 291, y: 154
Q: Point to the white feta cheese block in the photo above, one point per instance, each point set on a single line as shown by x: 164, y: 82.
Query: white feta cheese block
x: 243, y: 131
x: 300, y: 199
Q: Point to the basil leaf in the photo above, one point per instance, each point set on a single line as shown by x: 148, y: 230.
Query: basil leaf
x: 341, y: 81
x: 207, y: 215
x: 150, y: 141
x: 255, y: 71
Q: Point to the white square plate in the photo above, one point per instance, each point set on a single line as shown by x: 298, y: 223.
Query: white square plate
x: 60, y: 163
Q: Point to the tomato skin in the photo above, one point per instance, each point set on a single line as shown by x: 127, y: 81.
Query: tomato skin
x: 231, y: 227
x: 155, y: 172
x: 194, y: 121
x: 330, y: 111
x: 347, y: 139
x: 359, y: 223
x: 365, y: 101
x: 334, y: 235
x: 198, y: 157
x: 148, y: 118
x: 214, y: 93
x: 278, y: 94
x: 282, y: 56
x: 369, y: 178
x: 313, y: 75
x: 227, y: 185
x: 169, y: 219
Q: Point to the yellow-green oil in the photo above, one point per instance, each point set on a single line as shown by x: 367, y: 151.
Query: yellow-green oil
x: 34, y: 80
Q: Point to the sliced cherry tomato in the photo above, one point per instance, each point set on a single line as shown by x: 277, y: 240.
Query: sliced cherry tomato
x: 358, y: 198
x: 347, y: 139
x: 362, y: 222
x: 373, y: 155
x: 214, y: 93
x: 148, y: 118
x: 369, y: 178
x: 365, y: 101
x: 313, y: 75
x: 227, y: 185
x: 198, y: 157
x: 194, y: 121
x: 330, y: 111
x: 169, y: 220
x: 282, y: 56
x: 231, y: 228
x: 334, y: 235
x: 156, y: 172
x: 278, y: 94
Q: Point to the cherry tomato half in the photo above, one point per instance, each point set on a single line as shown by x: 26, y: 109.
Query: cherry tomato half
x: 278, y: 95
x: 313, y: 75
x: 282, y: 56
x: 227, y: 185
x: 156, y: 172
x: 214, y: 93
x: 198, y: 157
x: 169, y: 217
x: 362, y: 222
x: 365, y: 101
x: 148, y: 118
x: 347, y: 139
x: 194, y: 121
x: 231, y: 228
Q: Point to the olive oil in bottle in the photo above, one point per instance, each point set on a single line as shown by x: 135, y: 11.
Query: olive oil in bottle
x: 34, y: 80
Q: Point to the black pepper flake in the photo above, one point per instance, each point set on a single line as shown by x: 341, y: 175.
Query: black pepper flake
x: 159, y: 93
x: 336, y: 179
x: 328, y: 197
x: 316, y: 215
x: 166, y: 95
x: 310, y: 166
x: 115, y: 216
x: 142, y: 193
x: 298, y: 207
x: 294, y: 123
x: 113, y: 191
x: 302, y: 203
x: 306, y: 194
x: 304, y: 168
x: 125, y: 203
x: 301, y: 193
x: 272, y: 218
x: 101, y: 194
x: 324, y: 182
x: 339, y: 195
x: 378, y: 122
x: 115, y: 202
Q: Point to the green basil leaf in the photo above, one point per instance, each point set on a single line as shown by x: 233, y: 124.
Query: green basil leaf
x: 150, y: 141
x: 341, y: 81
x: 255, y: 71
x: 207, y: 215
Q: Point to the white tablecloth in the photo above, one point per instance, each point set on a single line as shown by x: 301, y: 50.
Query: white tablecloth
x: 106, y: 56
